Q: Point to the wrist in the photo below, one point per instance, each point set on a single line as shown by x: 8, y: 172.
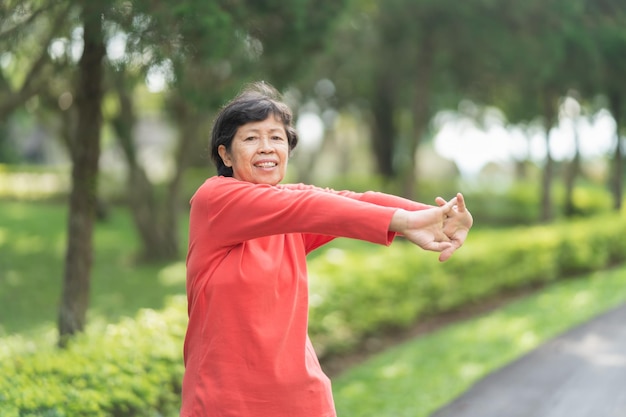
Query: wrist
x: 399, y: 221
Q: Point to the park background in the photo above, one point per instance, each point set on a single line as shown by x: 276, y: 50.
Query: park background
x: 105, y: 113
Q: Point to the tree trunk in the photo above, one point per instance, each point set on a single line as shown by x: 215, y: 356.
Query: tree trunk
x: 190, y: 121
x: 141, y: 196
x: 618, y: 155
x: 549, y: 112
x: 83, y: 196
x: 421, y: 115
x: 156, y: 219
x: 571, y: 173
x: 383, y: 128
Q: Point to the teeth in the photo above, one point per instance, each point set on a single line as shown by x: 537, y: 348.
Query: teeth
x: 266, y: 164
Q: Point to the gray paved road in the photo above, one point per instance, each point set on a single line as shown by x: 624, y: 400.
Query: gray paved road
x: 579, y: 374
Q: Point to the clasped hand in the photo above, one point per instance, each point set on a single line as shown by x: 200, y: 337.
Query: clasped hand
x: 456, y: 224
x: 441, y: 229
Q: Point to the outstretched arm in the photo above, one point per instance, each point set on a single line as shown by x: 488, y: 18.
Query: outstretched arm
x: 374, y: 197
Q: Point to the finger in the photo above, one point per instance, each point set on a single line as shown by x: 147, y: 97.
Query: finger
x: 460, y: 202
x: 446, y: 254
x: 460, y: 236
x: 448, y: 208
x: 438, y: 246
x: 443, y: 203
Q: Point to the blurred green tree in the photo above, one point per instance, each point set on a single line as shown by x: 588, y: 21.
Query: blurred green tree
x: 604, y: 25
x: 403, y: 61
x: 397, y: 63
x: 210, y: 47
x: 29, y: 26
x: 27, y: 29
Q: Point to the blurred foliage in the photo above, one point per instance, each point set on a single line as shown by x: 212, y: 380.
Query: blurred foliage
x: 392, y: 66
x: 32, y: 248
x: 129, y: 369
x: 518, y: 204
x: 33, y: 182
x: 388, y: 67
x: 421, y: 375
x: 356, y: 294
x: 358, y: 290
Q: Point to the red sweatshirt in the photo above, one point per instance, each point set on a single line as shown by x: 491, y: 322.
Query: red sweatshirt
x: 247, y: 352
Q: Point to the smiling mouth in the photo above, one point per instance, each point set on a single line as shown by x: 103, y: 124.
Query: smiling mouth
x: 266, y: 165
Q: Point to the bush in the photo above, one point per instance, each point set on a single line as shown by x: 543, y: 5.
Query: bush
x: 354, y: 294
x: 520, y: 203
x: 517, y: 205
x: 133, y: 368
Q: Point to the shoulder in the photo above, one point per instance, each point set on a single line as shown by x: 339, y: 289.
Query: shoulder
x: 218, y: 187
x: 210, y: 187
x: 219, y: 183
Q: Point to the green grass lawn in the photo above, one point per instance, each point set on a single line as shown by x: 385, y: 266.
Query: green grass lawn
x: 416, y: 378
x: 32, y: 252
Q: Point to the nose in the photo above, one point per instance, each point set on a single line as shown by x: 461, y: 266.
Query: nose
x: 266, y: 145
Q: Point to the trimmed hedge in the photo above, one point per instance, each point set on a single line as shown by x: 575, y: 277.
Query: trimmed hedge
x: 134, y: 368
x: 355, y: 294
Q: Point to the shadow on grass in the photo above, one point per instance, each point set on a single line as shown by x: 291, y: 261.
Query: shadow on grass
x: 32, y: 253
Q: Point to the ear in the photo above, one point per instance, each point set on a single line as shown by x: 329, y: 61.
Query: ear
x: 221, y: 150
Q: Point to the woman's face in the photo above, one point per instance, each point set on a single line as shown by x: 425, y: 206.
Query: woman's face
x: 259, y: 152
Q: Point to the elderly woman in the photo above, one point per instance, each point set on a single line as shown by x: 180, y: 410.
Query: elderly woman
x: 247, y: 352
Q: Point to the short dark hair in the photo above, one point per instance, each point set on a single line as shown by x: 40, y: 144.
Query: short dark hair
x: 255, y: 103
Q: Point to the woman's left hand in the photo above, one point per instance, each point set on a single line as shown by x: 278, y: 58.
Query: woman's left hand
x: 456, y: 224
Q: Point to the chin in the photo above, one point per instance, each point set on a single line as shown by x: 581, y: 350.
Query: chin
x: 273, y: 182
x: 266, y: 181
x: 262, y: 179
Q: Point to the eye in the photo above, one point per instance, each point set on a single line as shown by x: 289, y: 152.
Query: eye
x: 250, y: 138
x: 280, y: 138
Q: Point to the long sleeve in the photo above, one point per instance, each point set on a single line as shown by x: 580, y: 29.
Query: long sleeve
x: 374, y: 197
x: 238, y: 211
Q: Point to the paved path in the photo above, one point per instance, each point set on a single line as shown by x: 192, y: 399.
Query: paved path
x: 579, y: 374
